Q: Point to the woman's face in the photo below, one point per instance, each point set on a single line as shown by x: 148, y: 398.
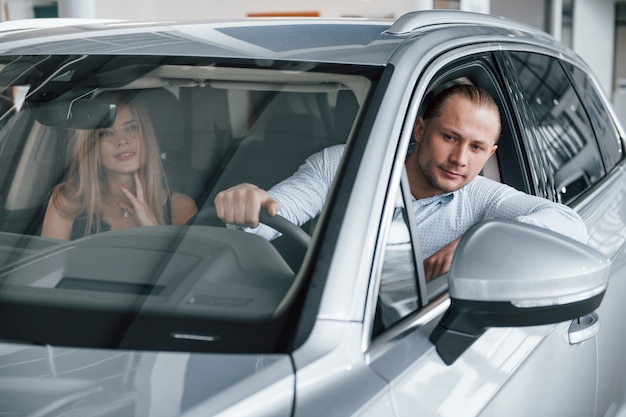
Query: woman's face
x: 120, y: 145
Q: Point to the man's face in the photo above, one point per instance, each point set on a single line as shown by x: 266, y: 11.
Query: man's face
x: 452, y: 148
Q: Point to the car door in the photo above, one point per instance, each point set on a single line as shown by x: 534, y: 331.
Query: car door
x: 508, y: 371
x: 583, y: 166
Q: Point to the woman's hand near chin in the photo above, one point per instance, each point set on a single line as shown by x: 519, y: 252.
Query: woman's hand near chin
x: 140, y: 210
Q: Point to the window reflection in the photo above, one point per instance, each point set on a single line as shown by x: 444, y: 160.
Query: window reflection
x: 603, y: 124
x: 566, y: 138
x: 398, y: 291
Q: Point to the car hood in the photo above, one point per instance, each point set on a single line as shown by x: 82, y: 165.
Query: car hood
x: 51, y: 381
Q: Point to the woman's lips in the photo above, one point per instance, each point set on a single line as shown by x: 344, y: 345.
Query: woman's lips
x: 125, y: 156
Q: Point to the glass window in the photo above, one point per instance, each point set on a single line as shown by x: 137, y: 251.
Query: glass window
x: 398, y: 295
x: 604, y: 126
x: 567, y: 150
x: 77, y: 130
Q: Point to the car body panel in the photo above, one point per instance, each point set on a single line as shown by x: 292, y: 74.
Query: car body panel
x: 466, y: 389
x: 607, y: 228
x: 50, y: 380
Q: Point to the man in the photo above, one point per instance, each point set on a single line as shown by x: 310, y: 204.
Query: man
x: 453, y: 140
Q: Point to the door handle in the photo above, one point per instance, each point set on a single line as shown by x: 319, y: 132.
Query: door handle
x: 584, y: 328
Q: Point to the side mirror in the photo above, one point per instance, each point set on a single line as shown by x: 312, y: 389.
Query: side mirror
x: 75, y: 114
x: 508, y: 274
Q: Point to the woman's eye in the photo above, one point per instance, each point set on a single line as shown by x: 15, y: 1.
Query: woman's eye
x: 104, y: 133
x: 131, y: 128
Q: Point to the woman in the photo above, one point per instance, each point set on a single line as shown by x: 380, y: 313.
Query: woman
x: 116, y: 181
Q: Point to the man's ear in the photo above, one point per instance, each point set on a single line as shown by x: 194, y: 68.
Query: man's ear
x: 418, y: 128
x: 493, y: 150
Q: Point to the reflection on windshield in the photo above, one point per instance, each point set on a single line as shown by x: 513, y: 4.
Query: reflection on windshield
x: 95, y: 150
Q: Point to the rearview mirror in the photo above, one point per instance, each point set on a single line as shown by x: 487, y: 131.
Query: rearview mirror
x: 507, y: 274
x: 75, y: 114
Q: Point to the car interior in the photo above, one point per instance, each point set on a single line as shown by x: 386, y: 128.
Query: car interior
x: 212, y: 133
x: 217, y: 124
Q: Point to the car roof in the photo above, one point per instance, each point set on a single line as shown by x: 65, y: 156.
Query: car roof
x: 350, y: 41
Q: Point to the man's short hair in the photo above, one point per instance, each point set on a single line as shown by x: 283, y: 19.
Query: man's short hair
x: 474, y: 93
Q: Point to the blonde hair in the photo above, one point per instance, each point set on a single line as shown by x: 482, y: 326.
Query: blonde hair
x: 81, y: 193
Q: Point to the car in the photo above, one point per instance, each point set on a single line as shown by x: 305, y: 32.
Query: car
x: 199, y: 319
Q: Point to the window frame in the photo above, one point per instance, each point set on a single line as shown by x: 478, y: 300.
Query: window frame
x: 482, y: 65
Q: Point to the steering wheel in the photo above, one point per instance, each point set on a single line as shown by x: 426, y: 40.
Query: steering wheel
x: 292, y: 245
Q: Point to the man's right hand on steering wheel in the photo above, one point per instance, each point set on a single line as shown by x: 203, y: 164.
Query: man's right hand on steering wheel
x: 242, y: 203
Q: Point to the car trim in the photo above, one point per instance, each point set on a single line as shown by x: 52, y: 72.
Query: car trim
x: 428, y: 314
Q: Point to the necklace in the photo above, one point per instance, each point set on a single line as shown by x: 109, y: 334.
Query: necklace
x: 122, y: 205
x: 126, y: 214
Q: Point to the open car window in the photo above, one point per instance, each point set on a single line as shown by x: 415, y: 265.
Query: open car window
x: 218, y: 123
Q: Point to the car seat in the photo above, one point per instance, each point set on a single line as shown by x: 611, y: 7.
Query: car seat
x: 165, y: 113
x: 288, y: 139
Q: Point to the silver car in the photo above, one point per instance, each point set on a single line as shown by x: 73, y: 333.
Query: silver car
x: 199, y: 319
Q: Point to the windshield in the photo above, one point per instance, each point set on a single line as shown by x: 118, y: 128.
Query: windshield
x: 193, y: 127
